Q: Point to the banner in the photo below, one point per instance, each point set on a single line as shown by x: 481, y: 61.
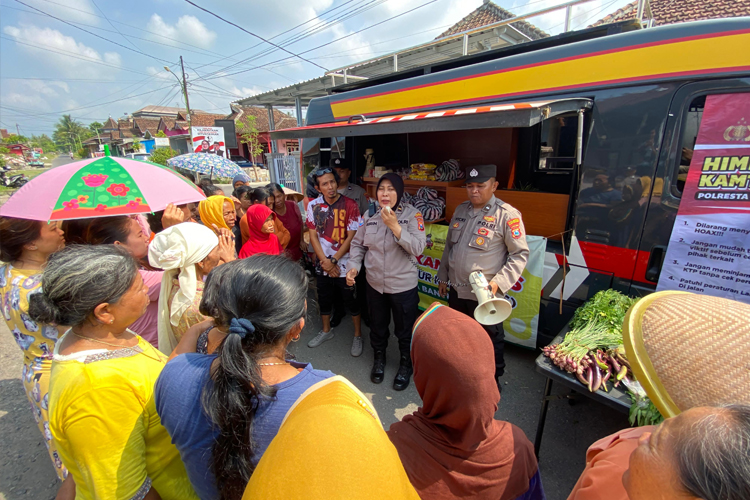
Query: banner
x: 208, y: 140
x: 521, y: 327
x: 709, y: 250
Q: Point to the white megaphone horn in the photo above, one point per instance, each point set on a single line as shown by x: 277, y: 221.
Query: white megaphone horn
x: 491, y: 310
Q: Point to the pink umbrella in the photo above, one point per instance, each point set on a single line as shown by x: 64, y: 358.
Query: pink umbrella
x: 100, y: 187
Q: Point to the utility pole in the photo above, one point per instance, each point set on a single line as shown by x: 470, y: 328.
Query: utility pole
x: 184, y: 86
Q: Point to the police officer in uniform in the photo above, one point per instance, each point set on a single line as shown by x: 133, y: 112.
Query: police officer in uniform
x: 487, y: 235
x: 348, y: 189
x: 388, y: 242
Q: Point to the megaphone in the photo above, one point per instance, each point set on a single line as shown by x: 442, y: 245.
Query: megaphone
x: 491, y: 310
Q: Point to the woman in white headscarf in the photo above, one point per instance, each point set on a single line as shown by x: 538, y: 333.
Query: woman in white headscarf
x: 187, y: 252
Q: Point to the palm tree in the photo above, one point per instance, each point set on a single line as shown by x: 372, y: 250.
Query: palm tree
x: 67, y: 130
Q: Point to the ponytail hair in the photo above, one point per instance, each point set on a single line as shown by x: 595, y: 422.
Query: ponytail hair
x: 260, y: 299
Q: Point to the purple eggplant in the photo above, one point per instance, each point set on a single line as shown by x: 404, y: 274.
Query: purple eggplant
x: 597, y: 379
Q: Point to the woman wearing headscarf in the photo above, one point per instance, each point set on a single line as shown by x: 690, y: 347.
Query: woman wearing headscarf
x: 388, y: 243
x: 217, y: 212
x: 263, y: 196
x: 187, y: 252
x: 700, y: 329
x: 261, y: 239
x: 224, y: 409
x: 102, y: 414
x: 452, y: 446
x: 335, y: 423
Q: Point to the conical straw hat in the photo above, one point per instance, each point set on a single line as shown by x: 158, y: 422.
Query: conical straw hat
x: 689, y: 350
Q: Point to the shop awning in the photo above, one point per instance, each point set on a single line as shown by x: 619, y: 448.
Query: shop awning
x: 519, y: 114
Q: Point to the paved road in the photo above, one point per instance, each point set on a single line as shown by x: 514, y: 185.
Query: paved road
x: 25, y: 470
x: 61, y: 160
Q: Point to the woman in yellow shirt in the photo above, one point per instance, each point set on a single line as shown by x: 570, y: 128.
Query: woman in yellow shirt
x: 25, y: 246
x: 102, y: 412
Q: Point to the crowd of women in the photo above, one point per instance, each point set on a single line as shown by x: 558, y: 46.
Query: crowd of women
x: 156, y: 364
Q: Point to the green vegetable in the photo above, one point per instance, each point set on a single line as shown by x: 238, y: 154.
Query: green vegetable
x: 643, y: 412
x: 606, y: 308
x: 590, y: 337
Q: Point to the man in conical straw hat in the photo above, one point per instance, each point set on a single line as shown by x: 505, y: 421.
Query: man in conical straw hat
x: 691, y: 354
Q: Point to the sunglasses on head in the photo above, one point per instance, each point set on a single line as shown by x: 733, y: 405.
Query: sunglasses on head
x: 323, y: 171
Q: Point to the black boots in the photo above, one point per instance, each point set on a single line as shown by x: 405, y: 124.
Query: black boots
x: 378, y: 368
x: 403, y: 376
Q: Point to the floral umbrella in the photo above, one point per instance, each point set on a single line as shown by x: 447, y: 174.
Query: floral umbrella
x: 206, y: 163
x: 100, y: 187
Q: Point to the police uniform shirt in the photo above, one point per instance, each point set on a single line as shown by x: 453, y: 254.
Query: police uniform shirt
x: 491, y: 240
x: 357, y: 194
x: 391, y: 264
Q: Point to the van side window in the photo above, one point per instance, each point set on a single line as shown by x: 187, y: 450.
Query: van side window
x: 558, y: 142
x: 690, y: 126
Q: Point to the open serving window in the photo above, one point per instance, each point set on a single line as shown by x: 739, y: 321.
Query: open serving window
x: 535, y: 145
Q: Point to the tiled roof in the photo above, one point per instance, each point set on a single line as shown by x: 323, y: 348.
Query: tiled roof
x: 4, y: 133
x: 681, y: 11
x: 167, y: 122
x: 110, y: 124
x: 490, y: 13
x: 150, y: 124
x: 281, y: 120
x: 205, y: 120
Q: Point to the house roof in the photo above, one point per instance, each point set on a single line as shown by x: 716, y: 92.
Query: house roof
x: 281, y: 120
x: 109, y: 124
x: 4, y: 133
x: 166, y: 123
x: 681, y: 11
x: 144, y: 124
x: 205, y: 120
x: 489, y: 13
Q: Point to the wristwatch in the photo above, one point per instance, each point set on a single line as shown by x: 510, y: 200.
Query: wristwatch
x: 333, y: 260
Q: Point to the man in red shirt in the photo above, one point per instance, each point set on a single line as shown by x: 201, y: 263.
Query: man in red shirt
x: 333, y: 221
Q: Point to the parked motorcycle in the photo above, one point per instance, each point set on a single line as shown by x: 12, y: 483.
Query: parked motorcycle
x: 11, y: 181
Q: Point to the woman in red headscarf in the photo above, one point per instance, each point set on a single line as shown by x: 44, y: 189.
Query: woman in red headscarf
x: 453, y: 446
x: 261, y: 238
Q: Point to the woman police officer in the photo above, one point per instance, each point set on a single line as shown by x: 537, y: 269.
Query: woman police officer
x: 387, y: 242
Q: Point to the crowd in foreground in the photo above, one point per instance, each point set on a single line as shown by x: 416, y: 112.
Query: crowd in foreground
x: 156, y: 364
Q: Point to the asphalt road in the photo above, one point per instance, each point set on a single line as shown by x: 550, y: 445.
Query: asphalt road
x: 61, y: 160
x: 25, y: 470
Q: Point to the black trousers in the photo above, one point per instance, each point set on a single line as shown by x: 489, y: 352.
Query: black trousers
x: 338, y: 303
x: 405, y: 309
x: 327, y: 287
x: 496, y: 333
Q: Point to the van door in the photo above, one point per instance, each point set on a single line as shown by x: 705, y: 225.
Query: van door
x: 683, y: 123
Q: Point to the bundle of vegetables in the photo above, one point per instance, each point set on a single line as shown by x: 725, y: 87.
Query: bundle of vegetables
x: 593, y: 354
x: 607, y: 308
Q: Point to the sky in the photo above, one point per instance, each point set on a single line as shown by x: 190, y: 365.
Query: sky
x: 99, y: 58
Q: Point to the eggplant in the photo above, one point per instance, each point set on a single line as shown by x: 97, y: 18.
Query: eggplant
x: 590, y: 378
x: 582, y: 379
x: 597, y: 379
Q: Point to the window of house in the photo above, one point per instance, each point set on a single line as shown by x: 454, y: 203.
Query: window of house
x: 558, y: 142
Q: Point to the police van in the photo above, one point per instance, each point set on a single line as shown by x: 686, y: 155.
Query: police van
x: 592, y: 133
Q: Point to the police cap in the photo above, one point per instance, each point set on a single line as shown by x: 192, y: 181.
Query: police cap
x: 337, y: 163
x: 480, y: 173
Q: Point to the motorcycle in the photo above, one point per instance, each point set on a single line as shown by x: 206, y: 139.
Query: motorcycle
x: 12, y: 181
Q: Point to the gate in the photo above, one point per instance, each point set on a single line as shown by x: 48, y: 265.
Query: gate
x: 284, y: 170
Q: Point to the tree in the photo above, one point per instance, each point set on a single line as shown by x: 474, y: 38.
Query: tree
x: 136, y: 145
x: 250, y: 136
x: 161, y: 155
x: 83, y: 153
x: 15, y: 139
x: 160, y: 133
x: 69, y: 133
x: 43, y: 141
x: 94, y: 126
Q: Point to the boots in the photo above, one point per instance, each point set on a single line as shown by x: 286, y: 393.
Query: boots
x: 403, y: 376
x: 378, y: 368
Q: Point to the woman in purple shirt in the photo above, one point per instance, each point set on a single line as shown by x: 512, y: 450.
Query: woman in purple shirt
x: 222, y: 410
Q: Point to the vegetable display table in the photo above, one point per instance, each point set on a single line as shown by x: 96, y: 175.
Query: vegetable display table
x: 616, y: 398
